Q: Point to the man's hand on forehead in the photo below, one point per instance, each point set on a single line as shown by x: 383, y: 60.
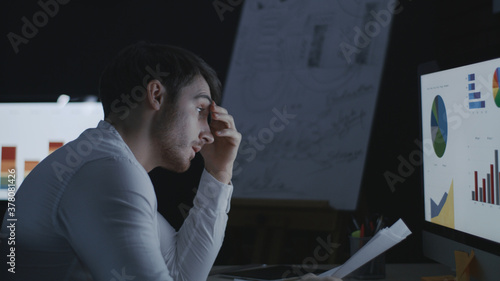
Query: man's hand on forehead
x: 220, y: 155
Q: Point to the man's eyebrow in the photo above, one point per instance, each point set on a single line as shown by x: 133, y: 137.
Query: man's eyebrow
x: 203, y: 96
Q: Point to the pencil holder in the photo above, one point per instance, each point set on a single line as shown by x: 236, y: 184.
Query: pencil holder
x: 374, y: 269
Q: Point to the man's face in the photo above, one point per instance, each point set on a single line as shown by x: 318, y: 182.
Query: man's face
x: 182, y: 128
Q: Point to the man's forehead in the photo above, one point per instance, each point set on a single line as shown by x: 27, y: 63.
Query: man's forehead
x: 198, y: 88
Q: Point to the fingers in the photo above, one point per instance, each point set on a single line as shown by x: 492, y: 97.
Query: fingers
x: 219, y: 109
x: 220, y: 154
x: 232, y: 135
x: 226, y: 119
x: 224, y: 125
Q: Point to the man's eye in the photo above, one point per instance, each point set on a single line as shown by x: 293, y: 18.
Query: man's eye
x: 204, y: 110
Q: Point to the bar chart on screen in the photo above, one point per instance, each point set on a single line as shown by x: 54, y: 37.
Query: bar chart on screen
x: 34, y: 131
x: 486, y: 186
x: 480, y: 188
x: 8, y: 162
x: 484, y: 173
x: 475, y: 95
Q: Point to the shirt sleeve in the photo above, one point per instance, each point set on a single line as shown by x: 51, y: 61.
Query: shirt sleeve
x: 199, y: 239
x: 108, y: 216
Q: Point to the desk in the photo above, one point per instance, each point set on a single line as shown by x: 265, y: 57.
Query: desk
x: 394, y: 272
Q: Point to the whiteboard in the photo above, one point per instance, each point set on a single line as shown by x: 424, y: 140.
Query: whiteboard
x: 302, y: 87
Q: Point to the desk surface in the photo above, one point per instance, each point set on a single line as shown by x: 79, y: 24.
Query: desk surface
x: 394, y: 272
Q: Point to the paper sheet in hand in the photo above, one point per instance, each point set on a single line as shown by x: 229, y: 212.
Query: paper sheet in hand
x: 382, y: 241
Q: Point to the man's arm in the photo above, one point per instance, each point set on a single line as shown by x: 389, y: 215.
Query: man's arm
x: 108, y: 215
x: 192, y: 254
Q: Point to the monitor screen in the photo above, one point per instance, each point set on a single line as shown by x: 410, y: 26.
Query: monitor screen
x: 31, y: 131
x: 461, y: 133
x: 460, y: 109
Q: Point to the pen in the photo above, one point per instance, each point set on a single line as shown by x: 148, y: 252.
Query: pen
x: 367, y: 227
x: 379, y: 223
x: 355, y: 222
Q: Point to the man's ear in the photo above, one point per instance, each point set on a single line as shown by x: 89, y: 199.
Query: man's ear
x: 156, y: 94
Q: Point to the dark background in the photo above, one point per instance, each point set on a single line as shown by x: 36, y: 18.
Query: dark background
x: 67, y: 55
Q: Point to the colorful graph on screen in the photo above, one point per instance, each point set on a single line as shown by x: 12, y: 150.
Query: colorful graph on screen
x: 29, y: 166
x: 486, y: 184
x: 496, y: 95
x: 34, y: 131
x: 461, y: 151
x: 444, y: 212
x: 54, y: 145
x: 439, y: 126
x: 8, y: 163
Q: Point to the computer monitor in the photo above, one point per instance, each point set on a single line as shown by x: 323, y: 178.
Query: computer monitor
x: 460, y: 116
x: 31, y: 131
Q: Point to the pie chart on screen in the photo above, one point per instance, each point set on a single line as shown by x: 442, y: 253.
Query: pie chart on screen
x: 439, y: 126
x: 496, y: 94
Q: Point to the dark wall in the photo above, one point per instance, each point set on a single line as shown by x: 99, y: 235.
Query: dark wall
x: 396, y: 127
x: 67, y: 54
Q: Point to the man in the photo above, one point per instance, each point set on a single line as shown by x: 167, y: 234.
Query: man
x: 88, y: 211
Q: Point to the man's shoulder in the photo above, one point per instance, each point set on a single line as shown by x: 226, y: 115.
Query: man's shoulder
x: 111, y: 177
x: 100, y: 143
x: 114, y: 164
x: 94, y: 147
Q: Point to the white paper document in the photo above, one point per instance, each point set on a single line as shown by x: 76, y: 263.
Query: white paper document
x: 381, y: 242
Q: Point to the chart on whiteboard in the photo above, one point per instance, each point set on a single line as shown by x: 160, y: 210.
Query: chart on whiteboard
x: 302, y: 87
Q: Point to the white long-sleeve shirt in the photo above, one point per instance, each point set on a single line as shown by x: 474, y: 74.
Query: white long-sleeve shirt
x: 89, y: 212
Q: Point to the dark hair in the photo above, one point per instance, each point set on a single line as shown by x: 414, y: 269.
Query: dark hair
x: 138, y: 64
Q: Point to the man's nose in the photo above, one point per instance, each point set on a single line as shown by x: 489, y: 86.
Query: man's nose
x: 206, y: 135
